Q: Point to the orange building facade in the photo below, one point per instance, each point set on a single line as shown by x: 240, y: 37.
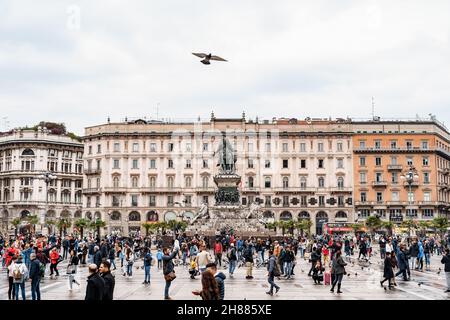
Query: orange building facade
x: 385, y: 154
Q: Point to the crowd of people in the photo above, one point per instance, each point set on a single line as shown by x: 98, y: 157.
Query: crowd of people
x: 32, y: 257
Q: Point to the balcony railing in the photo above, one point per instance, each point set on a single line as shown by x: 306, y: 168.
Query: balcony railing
x: 92, y: 171
x: 92, y: 190
x: 379, y: 183
x: 395, y: 167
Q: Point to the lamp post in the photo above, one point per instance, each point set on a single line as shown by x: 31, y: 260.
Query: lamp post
x: 410, y: 176
x: 48, y: 177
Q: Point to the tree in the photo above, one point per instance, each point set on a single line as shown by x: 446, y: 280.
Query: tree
x: 271, y: 225
x: 423, y: 226
x: 357, y: 227
x: 303, y: 225
x: 97, y: 224
x: 49, y: 224
x: 62, y: 225
x: 388, y: 225
x: 372, y: 223
x: 147, y: 226
x: 289, y: 225
x: 33, y: 220
x: 440, y: 223
x: 175, y: 226
x: 15, y: 222
x: 410, y: 225
x: 81, y: 224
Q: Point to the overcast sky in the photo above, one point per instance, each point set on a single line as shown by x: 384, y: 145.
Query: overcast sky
x: 79, y: 62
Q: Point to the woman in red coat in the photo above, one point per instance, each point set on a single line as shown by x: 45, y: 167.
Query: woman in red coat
x: 54, y: 259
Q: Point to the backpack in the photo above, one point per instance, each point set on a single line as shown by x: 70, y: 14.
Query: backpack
x: 17, y: 273
x: 41, y: 269
x: 276, y: 270
x: 148, y: 258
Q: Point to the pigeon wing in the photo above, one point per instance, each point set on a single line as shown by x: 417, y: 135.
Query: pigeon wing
x: 217, y: 58
x: 200, y: 55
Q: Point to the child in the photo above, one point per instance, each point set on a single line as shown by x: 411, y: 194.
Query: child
x: 159, y: 255
x: 193, y: 269
x: 318, y: 273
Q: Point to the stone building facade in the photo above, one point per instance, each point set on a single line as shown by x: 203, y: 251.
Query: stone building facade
x: 137, y: 171
x: 25, y: 157
x: 384, y: 153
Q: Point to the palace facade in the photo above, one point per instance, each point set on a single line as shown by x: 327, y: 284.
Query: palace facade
x: 137, y: 171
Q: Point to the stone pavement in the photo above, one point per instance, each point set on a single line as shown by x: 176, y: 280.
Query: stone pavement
x: 359, y: 284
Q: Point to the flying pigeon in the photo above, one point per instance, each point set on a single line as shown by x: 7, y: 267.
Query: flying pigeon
x: 207, y: 57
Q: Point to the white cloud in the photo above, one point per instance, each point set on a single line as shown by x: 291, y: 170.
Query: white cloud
x: 294, y: 58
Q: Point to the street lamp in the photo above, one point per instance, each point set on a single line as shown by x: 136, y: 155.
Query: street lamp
x: 410, y: 176
x: 48, y: 177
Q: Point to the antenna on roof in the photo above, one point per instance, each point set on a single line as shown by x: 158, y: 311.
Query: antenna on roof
x: 373, y: 108
x: 157, y: 111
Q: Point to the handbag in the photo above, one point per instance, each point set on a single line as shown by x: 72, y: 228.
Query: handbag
x: 170, y: 276
x: 70, y: 269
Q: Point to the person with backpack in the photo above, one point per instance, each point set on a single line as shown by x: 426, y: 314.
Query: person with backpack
x: 20, y: 274
x: 35, y: 276
x: 232, y: 259
x: 147, y: 264
x: 273, y: 271
x: 248, y: 257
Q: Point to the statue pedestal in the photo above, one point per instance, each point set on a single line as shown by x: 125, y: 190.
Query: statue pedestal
x: 227, y: 193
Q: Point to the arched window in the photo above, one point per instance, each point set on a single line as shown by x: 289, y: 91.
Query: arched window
x: 285, y: 182
x: 205, y: 180
x: 321, y: 182
x: 116, y: 182
x: 134, y: 182
x: 115, y: 215
x: 170, y: 216
x: 65, y: 214
x: 97, y: 215
x: 303, y: 215
x: 89, y: 215
x: 340, y: 182
x: 188, y: 182
x: 77, y: 214
x: 24, y: 214
x: 134, y: 216
x: 152, y: 216
x: 285, y: 216
x: 250, y: 182
x: 303, y: 182
x: 341, y: 214
x: 28, y: 152
x: 170, y: 182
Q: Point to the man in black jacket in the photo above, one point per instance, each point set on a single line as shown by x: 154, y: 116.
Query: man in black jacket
x: 446, y: 261
x: 97, y: 256
x: 95, y: 288
x: 35, y: 276
x: 109, y: 280
x: 413, y: 253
